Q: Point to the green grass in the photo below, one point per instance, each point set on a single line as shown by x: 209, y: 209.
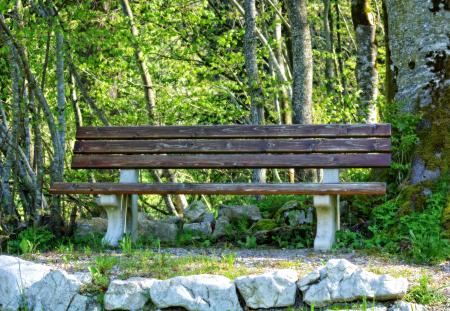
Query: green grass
x: 426, y: 294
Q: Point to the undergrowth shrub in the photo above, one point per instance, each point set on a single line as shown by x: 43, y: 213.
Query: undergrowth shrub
x: 419, y: 235
x: 31, y: 240
x: 425, y: 294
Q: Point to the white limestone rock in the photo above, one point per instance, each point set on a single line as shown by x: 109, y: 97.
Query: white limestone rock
x: 196, y: 293
x: 342, y: 281
x: 36, y: 287
x: 16, y: 277
x: 268, y: 290
x: 407, y: 306
x: 131, y: 294
x: 84, y: 303
x: 54, y: 292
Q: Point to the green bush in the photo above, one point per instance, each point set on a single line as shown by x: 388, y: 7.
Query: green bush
x: 346, y: 239
x: 31, y: 240
x: 419, y: 235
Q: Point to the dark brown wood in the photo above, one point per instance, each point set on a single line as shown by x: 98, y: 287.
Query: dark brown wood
x: 235, y: 131
x: 319, y: 160
x: 241, y: 189
x: 344, y: 145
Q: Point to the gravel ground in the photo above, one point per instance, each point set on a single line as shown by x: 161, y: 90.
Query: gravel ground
x: 302, y: 260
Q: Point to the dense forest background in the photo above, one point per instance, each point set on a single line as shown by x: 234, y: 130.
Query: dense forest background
x: 65, y: 64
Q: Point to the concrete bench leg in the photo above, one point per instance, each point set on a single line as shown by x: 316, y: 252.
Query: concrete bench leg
x: 327, y: 212
x: 121, y: 210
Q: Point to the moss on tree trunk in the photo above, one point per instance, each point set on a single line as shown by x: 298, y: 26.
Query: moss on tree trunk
x: 420, y: 51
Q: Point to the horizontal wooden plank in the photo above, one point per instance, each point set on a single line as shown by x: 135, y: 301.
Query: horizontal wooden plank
x: 234, y: 131
x: 234, y: 145
x: 374, y: 188
x: 317, y: 160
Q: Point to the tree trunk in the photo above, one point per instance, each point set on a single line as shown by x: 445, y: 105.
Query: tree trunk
x: 254, y: 85
x: 302, y: 62
x: 329, y: 66
x: 61, y: 99
x: 302, y: 68
x: 366, y: 67
x: 389, y: 83
x: 145, y: 75
x: 340, y: 58
x: 421, y: 62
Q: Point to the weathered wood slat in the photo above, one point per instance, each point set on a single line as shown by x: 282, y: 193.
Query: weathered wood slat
x: 374, y: 188
x: 235, y: 131
x: 234, y: 146
x: 319, y: 160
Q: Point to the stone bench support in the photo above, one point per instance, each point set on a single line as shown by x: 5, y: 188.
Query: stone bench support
x: 122, y: 211
x: 327, y: 211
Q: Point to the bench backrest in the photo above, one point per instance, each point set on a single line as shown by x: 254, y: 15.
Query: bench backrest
x: 234, y: 146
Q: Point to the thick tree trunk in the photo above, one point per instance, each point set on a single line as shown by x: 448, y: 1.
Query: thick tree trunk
x: 302, y: 62
x: 366, y: 67
x: 389, y: 83
x: 302, y: 68
x: 254, y: 84
x: 419, y: 44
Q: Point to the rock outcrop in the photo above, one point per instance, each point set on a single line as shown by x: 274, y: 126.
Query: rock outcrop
x: 268, y: 290
x: 29, y: 286
x: 342, y: 281
x: 196, y: 293
x: 250, y: 212
x: 131, y: 294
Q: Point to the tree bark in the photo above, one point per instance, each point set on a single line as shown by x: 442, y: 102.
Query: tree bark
x: 302, y: 68
x: 329, y: 65
x: 421, y: 62
x: 254, y: 84
x: 390, y: 87
x: 61, y: 99
x: 302, y: 62
x: 145, y: 74
x: 340, y: 59
x: 366, y: 59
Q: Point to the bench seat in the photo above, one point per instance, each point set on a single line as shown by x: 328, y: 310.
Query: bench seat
x: 372, y: 188
x: 324, y: 146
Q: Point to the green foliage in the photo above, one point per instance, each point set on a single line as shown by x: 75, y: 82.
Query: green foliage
x: 250, y: 242
x: 404, y: 139
x: 423, y: 293
x: 100, y: 271
x: 419, y: 235
x: 31, y: 240
x: 93, y: 241
x: 237, y: 229
x: 126, y: 244
x: 346, y: 239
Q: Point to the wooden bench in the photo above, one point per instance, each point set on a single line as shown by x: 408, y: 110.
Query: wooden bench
x: 329, y: 147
